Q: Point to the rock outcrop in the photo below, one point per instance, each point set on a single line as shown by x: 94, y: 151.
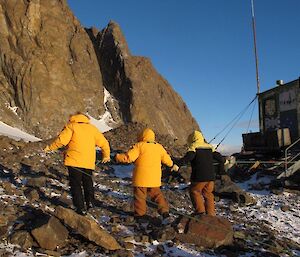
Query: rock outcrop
x: 207, y: 231
x: 51, y: 67
x: 88, y: 228
x: 51, y: 235
x: 48, y: 67
x: 144, y: 96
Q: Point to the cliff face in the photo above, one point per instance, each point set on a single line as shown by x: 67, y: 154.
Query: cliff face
x: 144, y: 96
x: 48, y: 66
x: 51, y: 67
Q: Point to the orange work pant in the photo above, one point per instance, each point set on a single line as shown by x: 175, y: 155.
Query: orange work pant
x: 202, y: 197
x: 155, y: 194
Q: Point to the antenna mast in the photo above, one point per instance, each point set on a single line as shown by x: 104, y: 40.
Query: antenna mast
x: 255, y: 48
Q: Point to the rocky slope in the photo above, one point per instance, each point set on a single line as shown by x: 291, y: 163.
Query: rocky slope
x: 35, y: 202
x: 51, y: 67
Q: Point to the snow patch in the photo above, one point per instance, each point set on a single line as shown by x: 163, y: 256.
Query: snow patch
x: 12, y: 108
x: 269, y: 209
x: 102, y: 123
x: 16, y: 134
x: 106, y: 121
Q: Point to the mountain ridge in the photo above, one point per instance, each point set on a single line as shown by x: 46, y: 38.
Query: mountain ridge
x: 52, y: 67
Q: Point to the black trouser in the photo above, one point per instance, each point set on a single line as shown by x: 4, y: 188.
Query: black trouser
x: 81, y: 178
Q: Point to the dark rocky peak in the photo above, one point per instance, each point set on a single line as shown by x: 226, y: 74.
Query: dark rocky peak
x: 112, y: 37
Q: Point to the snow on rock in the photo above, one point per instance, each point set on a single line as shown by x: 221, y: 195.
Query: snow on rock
x: 106, y: 121
x: 17, y: 134
x: 269, y: 209
x: 102, y: 123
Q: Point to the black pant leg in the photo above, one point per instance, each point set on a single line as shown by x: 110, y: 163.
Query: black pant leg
x: 75, y: 179
x: 88, y: 187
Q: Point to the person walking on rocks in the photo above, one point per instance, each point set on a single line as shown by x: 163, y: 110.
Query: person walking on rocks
x: 201, y: 156
x: 80, y: 138
x: 147, y: 156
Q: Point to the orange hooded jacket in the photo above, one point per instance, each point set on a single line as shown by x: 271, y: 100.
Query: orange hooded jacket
x: 147, y: 156
x: 81, y: 137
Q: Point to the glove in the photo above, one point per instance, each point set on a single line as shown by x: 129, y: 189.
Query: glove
x: 175, y: 168
x: 105, y: 160
x: 47, y: 149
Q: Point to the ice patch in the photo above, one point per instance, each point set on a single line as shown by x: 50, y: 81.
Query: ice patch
x: 16, y: 134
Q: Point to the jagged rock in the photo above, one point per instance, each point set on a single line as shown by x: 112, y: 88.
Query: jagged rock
x: 9, y: 188
x: 3, y: 220
x: 140, y: 90
x: 208, y: 231
x: 123, y: 253
x: 53, y: 253
x: 224, y: 187
x: 36, y: 182
x: 239, y: 235
x: 64, y: 198
x: 51, y: 235
x: 160, y: 249
x: 285, y: 208
x: 87, y: 228
x: 128, y: 245
x: 23, y: 239
x: 32, y: 194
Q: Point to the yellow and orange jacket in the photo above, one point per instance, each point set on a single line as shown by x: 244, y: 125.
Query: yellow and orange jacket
x: 147, y: 156
x: 80, y: 137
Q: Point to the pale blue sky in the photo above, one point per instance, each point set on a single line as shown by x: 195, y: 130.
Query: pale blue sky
x: 204, y: 48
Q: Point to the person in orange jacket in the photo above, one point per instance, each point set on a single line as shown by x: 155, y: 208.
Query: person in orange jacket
x: 147, y: 156
x: 80, y: 137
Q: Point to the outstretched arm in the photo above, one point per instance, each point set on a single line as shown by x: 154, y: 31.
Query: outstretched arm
x: 62, y: 140
x: 102, y: 142
x: 189, y: 156
x: 130, y: 156
x: 166, y: 159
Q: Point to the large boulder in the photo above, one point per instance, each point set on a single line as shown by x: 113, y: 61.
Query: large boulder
x: 51, y: 235
x: 87, y: 227
x: 22, y: 238
x: 207, y: 231
x: 226, y: 188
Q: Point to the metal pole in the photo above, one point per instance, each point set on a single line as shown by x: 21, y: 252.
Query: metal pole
x: 255, y: 48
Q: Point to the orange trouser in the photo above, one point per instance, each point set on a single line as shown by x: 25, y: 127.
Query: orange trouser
x: 155, y: 194
x: 202, y: 197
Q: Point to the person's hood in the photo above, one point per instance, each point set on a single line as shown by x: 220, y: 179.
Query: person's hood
x: 147, y: 135
x: 79, y: 118
x: 196, y: 140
